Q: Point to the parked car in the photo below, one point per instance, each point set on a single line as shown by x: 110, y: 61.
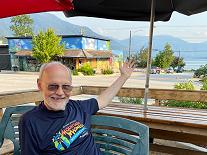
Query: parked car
x: 169, y: 70
x: 155, y: 70
x: 15, y: 68
x: 179, y: 70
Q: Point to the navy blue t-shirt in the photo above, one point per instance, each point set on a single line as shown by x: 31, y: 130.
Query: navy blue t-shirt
x: 45, y: 132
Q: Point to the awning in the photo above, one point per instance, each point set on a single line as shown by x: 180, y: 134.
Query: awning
x: 75, y: 53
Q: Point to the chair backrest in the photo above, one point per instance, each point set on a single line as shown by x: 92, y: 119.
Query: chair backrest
x: 116, y: 135
x: 9, y: 125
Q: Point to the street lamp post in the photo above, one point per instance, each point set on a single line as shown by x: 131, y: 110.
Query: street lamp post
x: 130, y: 41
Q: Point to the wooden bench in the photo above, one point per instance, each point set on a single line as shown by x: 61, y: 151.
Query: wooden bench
x: 175, y: 124
x: 114, y: 135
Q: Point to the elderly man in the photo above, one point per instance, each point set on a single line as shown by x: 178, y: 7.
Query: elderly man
x: 60, y: 125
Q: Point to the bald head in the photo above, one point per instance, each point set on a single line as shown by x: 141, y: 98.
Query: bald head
x: 52, y: 67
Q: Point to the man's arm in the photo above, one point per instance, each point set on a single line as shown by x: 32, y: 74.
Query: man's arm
x: 107, y: 95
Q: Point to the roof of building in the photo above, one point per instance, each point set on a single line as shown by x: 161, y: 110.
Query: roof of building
x: 3, y: 45
x: 23, y: 53
x: 99, y: 53
x: 75, y: 53
x: 63, y: 36
x: 71, y: 36
x: 22, y: 37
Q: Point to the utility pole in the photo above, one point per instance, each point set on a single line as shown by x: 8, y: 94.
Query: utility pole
x: 81, y: 30
x: 130, y: 40
x: 179, y: 55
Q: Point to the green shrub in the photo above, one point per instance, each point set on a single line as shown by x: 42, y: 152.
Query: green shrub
x: 78, y: 70
x: 74, y: 72
x: 130, y: 100
x: 86, y: 69
x: 185, y: 86
x: 202, y: 71
x: 204, y: 84
x: 107, y: 71
x: 186, y: 104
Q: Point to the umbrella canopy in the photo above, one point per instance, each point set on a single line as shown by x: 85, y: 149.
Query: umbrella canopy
x: 17, y: 7
x: 135, y: 10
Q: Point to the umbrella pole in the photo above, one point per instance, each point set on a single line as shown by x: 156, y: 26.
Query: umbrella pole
x: 152, y: 17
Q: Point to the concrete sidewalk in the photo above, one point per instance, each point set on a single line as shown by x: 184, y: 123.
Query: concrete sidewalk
x: 13, y: 81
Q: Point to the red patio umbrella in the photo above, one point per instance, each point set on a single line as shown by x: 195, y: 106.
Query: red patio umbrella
x: 17, y: 7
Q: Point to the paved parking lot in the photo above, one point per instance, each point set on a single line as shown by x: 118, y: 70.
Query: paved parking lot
x: 10, y: 81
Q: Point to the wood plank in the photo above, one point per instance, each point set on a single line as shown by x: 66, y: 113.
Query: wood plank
x: 162, y: 112
x: 162, y: 108
x: 8, y: 99
x: 76, y: 91
x: 183, y: 112
x: 13, y: 99
x: 157, y: 102
x: 168, y: 117
x: 1, y: 113
x: 150, y: 116
x: 163, y: 124
x: 178, y: 129
x: 7, y: 147
x: 174, y: 150
x: 162, y: 118
x: 156, y: 119
x: 178, y: 136
x: 160, y: 94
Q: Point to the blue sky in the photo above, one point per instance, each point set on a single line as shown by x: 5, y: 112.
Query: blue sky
x: 189, y: 28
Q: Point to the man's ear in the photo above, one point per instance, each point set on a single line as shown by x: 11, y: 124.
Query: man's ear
x: 39, y: 84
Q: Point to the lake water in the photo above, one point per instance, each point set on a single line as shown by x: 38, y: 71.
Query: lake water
x: 194, y: 63
x: 193, y: 60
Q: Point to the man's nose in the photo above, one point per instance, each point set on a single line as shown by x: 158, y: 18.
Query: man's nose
x: 60, y: 91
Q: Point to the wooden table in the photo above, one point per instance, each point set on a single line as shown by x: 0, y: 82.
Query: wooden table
x: 176, y: 124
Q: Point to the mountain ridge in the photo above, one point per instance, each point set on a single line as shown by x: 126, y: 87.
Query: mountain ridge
x: 42, y: 21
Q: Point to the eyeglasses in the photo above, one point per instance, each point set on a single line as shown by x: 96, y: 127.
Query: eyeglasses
x: 54, y: 87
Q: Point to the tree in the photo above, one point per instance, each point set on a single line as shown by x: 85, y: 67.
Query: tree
x: 141, y: 57
x: 3, y: 40
x: 164, y: 58
x: 22, y: 25
x: 168, y: 54
x: 177, y: 62
x: 159, y: 60
x: 46, y: 46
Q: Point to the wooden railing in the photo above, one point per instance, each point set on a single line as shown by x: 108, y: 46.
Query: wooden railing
x: 175, y: 124
x: 9, y: 99
x: 160, y: 94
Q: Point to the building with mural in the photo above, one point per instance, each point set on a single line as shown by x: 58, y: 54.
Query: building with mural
x: 79, y: 49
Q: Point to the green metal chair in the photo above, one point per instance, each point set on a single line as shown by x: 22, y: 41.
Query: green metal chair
x: 9, y: 125
x: 116, y: 135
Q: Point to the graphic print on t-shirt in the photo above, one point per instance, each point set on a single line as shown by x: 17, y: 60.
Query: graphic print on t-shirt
x: 67, y: 135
